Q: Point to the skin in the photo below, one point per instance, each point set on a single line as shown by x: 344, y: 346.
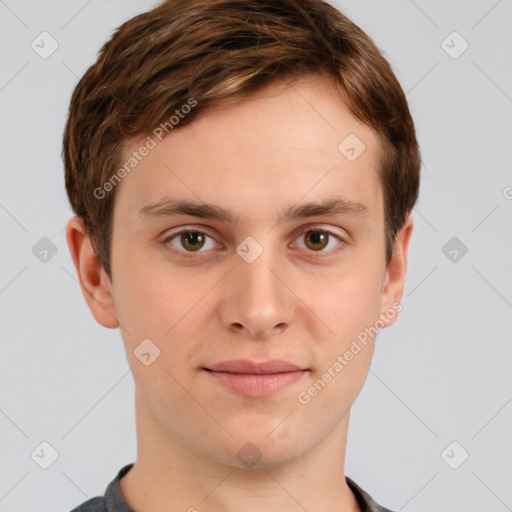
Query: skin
x: 255, y: 158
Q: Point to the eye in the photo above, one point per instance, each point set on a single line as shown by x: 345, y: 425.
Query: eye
x: 190, y: 240
x: 318, y: 239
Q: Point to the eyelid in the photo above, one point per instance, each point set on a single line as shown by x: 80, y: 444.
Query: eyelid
x: 323, y: 227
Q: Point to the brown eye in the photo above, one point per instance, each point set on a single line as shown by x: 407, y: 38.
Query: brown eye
x: 190, y: 241
x: 317, y: 240
x: 320, y: 240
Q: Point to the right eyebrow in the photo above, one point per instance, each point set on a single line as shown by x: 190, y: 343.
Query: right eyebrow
x: 169, y: 207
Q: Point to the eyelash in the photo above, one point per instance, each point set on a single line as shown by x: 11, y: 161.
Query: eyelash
x: 315, y: 229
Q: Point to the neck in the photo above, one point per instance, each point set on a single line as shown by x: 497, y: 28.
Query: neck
x: 168, y: 476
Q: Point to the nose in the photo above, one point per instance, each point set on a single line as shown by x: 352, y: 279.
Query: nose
x: 258, y: 299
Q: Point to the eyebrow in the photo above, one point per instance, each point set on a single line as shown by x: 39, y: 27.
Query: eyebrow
x: 169, y: 207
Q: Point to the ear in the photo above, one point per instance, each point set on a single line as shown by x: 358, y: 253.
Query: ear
x: 95, y: 284
x: 394, y: 281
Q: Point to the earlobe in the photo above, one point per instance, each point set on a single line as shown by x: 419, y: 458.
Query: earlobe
x: 95, y: 285
x: 396, y: 271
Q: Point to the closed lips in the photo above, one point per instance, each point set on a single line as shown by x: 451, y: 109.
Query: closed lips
x: 265, y: 368
x: 256, y: 380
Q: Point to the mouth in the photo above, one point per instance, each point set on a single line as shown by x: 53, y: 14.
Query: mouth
x: 256, y: 379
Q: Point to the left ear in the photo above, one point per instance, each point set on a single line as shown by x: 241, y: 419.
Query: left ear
x: 394, y: 280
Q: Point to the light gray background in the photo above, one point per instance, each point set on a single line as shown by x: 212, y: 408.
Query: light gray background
x: 441, y: 374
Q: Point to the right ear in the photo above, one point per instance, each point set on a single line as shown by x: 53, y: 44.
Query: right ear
x: 95, y: 284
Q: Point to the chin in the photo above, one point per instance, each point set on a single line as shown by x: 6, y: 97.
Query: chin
x: 260, y: 456
x: 262, y: 448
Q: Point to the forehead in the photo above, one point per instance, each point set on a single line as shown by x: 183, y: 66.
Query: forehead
x: 283, y: 144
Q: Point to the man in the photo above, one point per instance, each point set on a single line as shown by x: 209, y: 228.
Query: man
x: 242, y: 174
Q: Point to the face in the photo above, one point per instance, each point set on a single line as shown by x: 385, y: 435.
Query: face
x: 254, y: 320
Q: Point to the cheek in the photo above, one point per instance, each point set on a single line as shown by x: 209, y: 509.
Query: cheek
x: 153, y: 304
x: 342, y: 358
x: 149, y: 299
x: 348, y: 304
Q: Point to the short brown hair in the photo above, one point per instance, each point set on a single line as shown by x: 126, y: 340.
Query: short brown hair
x: 223, y: 50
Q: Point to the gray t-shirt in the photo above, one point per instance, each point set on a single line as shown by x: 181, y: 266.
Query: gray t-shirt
x: 113, y: 500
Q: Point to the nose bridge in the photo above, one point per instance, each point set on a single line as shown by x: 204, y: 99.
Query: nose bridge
x: 258, y: 276
x: 259, y: 301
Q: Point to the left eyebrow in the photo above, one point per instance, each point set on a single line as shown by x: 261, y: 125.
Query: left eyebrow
x: 168, y: 207
x: 336, y: 206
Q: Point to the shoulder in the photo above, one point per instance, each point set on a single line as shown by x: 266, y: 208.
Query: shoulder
x: 93, y: 505
x: 112, y: 501
x: 365, y: 501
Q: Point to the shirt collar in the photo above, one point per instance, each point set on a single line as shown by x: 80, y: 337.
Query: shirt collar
x: 116, y: 503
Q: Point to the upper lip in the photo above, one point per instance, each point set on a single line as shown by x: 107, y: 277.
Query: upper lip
x: 245, y: 366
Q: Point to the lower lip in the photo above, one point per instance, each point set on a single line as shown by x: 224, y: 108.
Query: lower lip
x: 251, y: 384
